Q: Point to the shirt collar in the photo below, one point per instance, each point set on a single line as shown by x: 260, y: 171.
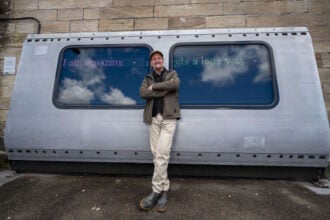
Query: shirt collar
x: 161, y: 73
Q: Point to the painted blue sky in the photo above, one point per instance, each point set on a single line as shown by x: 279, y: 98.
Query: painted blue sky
x: 224, y: 75
x: 103, y: 76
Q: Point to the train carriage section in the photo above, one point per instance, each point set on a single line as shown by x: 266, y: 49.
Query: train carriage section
x: 251, y: 99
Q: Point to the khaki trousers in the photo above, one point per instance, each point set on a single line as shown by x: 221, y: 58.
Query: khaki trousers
x: 161, y: 138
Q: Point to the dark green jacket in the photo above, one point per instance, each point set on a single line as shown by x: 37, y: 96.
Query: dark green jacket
x: 168, y: 88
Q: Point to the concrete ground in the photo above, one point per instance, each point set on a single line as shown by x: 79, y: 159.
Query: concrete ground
x: 43, y: 196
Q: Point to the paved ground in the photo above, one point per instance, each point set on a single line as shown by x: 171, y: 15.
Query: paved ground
x: 35, y: 196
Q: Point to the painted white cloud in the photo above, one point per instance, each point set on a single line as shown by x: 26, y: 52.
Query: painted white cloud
x: 90, y: 84
x: 222, y: 74
x: 263, y: 73
x: 116, y: 97
x: 74, y: 92
x: 91, y: 74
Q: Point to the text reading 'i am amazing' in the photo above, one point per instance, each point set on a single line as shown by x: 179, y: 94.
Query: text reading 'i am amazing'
x: 93, y: 63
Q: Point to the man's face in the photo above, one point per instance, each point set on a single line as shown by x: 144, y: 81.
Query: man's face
x: 157, y: 61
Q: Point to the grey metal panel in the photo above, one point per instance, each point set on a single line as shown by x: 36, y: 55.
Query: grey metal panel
x: 297, y: 125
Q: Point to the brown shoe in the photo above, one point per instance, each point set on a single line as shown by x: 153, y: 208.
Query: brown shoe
x: 149, y: 201
x: 161, y: 205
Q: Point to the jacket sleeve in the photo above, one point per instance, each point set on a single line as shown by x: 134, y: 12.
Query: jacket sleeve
x: 145, y: 93
x: 170, y: 85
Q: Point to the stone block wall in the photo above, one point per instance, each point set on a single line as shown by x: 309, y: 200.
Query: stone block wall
x: 58, y: 16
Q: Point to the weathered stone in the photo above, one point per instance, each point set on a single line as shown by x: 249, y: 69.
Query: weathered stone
x: 12, y: 39
x: 319, y: 7
x: 41, y: 15
x: 10, y: 52
x: 84, y: 25
x: 28, y: 26
x: 205, y: 1
x: 93, y: 3
x: 327, y: 104
x: 148, y: 2
x: 116, y: 25
x: 223, y: 1
x: 1, y: 67
x: 321, y: 46
x: 268, y: 21
x: 5, y: 7
x: 132, y: 2
x: 286, y: 20
x: 229, y: 21
x: 56, y: 4
x: 6, y: 91
x: 4, y: 103
x: 4, y: 26
x: 4, y: 164
x: 188, y: 10
x: 171, y: 2
x: 320, y: 32
x: 326, y: 92
x: 2, y: 127
x: 324, y: 75
x: 274, y: 7
x: 70, y: 14
x: 3, y: 115
x: 26, y: 4
x: 318, y: 59
x: 186, y: 22
x: 92, y: 13
x: 324, y: 60
x: 9, y: 27
x: 54, y: 26
x: 7, y: 80
x: 128, y: 12
x: 59, y: 4
x: 151, y: 23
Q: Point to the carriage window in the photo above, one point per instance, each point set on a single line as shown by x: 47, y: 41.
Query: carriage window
x: 225, y: 75
x: 101, y: 76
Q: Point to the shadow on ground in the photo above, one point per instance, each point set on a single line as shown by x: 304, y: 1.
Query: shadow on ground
x: 34, y: 196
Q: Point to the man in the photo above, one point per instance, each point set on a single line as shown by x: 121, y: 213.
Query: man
x: 161, y: 112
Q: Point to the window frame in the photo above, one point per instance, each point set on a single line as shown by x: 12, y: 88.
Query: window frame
x: 231, y: 106
x: 79, y: 106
